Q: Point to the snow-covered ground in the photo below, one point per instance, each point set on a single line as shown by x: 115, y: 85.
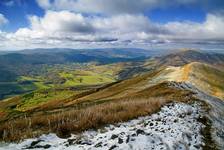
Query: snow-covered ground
x: 215, y: 114
x: 175, y: 126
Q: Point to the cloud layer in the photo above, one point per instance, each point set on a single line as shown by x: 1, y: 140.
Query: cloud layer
x: 125, y: 6
x: 106, y: 23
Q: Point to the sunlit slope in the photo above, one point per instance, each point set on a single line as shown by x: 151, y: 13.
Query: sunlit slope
x: 203, y: 76
x: 208, y: 79
x: 48, y: 102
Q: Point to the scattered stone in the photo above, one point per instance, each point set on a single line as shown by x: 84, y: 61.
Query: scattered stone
x: 35, y: 143
x: 139, y: 131
x: 112, y: 147
x: 128, y: 138
x: 83, y: 142
x: 39, y: 146
x: 71, y: 141
x: 98, y: 144
x: 197, y: 146
x: 114, y: 136
x: 202, y: 119
x: 120, y: 141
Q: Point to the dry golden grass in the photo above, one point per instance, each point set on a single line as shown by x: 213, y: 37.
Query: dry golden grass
x: 74, y: 121
x: 118, y: 90
x: 113, y: 103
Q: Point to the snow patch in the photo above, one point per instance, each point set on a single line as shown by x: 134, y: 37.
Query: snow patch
x: 175, y: 126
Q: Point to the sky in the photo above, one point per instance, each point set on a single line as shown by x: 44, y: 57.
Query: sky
x: 27, y: 24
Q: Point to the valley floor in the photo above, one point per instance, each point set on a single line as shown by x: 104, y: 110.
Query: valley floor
x: 175, y: 126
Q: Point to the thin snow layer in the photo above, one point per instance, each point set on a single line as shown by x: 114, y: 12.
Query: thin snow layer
x: 175, y: 126
x: 215, y: 114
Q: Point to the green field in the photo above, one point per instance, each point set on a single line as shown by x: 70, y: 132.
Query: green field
x: 85, y: 78
x: 34, y: 99
x: 60, y: 76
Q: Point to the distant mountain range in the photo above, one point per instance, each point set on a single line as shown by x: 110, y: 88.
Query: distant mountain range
x: 37, y: 63
x: 188, y: 56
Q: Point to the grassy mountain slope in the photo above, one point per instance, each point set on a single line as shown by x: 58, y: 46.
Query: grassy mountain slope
x: 84, y: 111
x: 73, y: 109
x: 203, y: 76
x: 179, y: 58
x: 48, y: 100
x: 208, y: 79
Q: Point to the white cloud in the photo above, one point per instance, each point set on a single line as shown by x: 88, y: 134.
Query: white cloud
x: 126, y: 6
x: 70, y: 29
x: 211, y: 29
x: 3, y: 20
x: 76, y: 27
x: 63, y: 21
x: 44, y: 3
x: 108, y: 6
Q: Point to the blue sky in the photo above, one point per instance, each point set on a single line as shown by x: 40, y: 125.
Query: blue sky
x: 109, y: 23
x: 181, y: 13
x: 18, y: 11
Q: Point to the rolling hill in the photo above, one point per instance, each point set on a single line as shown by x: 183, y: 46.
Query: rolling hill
x: 29, y: 70
x: 203, y: 76
x: 79, y: 104
x: 175, y: 59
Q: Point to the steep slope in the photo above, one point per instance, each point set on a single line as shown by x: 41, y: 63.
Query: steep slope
x: 203, y: 76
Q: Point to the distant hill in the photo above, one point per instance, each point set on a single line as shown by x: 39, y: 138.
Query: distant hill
x: 59, y: 56
x: 177, y: 58
x: 203, y: 76
x: 155, y: 83
x: 50, y: 66
x: 23, y: 62
x: 188, y: 56
x: 110, y: 52
x: 27, y: 70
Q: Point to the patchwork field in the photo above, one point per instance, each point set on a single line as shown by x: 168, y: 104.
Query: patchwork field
x: 61, y: 76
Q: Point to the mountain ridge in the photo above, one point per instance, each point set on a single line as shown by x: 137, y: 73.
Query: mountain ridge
x: 187, y: 56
